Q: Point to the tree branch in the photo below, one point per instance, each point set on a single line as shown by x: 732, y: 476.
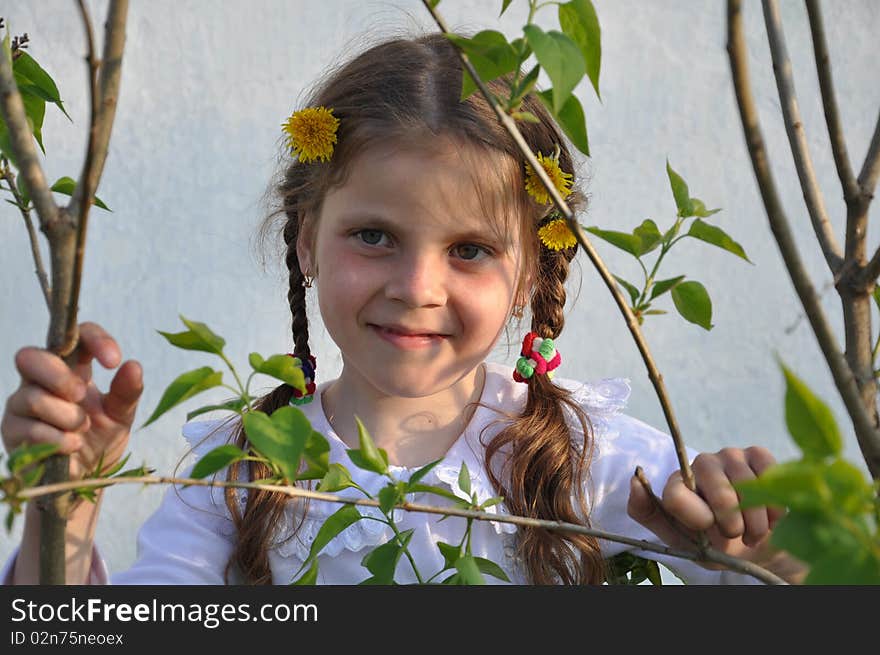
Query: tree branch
x: 631, y: 322
x: 871, y: 167
x: 829, y: 102
x: 709, y: 555
x: 797, y: 139
x: 866, y: 432
x: 21, y: 142
x: 9, y: 176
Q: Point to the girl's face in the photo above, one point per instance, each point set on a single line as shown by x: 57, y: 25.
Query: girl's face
x: 414, y: 285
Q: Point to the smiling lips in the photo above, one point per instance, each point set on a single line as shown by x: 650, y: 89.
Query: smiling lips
x: 407, y: 338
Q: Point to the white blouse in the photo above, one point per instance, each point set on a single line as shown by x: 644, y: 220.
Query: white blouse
x: 189, y: 539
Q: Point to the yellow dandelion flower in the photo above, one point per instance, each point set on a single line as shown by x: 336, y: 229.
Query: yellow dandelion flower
x: 311, y: 133
x: 556, y: 235
x: 560, y: 179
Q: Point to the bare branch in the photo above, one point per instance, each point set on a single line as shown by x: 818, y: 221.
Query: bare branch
x: 21, y: 142
x: 709, y: 555
x: 871, y: 167
x: 798, y: 140
x: 866, y: 432
x: 9, y: 176
x: 829, y: 102
x: 631, y: 322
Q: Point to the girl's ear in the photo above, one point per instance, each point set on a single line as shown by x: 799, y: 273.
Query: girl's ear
x: 304, y: 246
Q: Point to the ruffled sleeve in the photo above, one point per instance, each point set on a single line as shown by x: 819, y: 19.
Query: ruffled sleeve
x: 190, y: 537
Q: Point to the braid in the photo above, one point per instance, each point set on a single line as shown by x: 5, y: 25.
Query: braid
x: 548, y: 301
x: 296, y: 295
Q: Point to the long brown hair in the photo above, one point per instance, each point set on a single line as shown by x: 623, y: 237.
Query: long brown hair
x: 408, y: 90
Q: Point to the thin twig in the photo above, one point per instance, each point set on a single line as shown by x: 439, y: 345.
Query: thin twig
x: 631, y: 322
x: 866, y: 432
x: 867, y: 183
x: 797, y: 139
x: 709, y: 555
x: 9, y: 176
x: 829, y: 101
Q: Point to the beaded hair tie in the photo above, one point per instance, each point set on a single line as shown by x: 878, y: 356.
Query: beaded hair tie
x: 539, y: 357
x: 308, y: 368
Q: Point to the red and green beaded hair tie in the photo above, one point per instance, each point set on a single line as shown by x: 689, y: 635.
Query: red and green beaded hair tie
x: 308, y: 367
x: 539, y: 357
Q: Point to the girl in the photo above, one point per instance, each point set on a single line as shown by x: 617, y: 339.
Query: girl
x: 419, y: 224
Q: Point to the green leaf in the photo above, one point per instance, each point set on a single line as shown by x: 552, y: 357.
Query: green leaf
x: 633, y: 291
x: 851, y: 492
x: 504, y: 5
x: 439, y: 491
x: 281, y: 438
x: 26, y: 68
x: 525, y: 86
x: 382, y: 561
x: 491, y: 55
x: 579, y: 21
x: 186, y: 386
x: 797, y: 485
x: 491, y: 568
x: 649, y: 236
x: 29, y: 454
x: 662, y: 286
x: 280, y: 367
x: 199, y: 337
x: 389, y: 496
x: 418, y: 475
x: 679, y: 192
x: 337, y: 478
x: 809, y: 420
x: 561, y: 59
x: 310, y: 577
x: 717, y: 237
x: 235, y: 405
x: 525, y: 116
x: 698, y: 207
x: 6, y: 145
x: 66, y: 185
x: 368, y: 457
x: 464, y: 479
x: 35, y: 110
x: 570, y: 118
x: 32, y: 476
x: 450, y: 553
x: 335, y: 523
x: 860, y: 568
x: 693, y: 303
x: 489, y: 502
x: 814, y: 536
x: 217, y: 459
x: 316, y: 456
x: 653, y: 572
x: 454, y: 579
x: 469, y: 571
x: 623, y: 240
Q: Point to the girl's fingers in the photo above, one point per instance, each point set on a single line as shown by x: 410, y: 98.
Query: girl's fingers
x: 28, y: 430
x: 713, y: 483
x: 47, y: 370
x: 642, y: 508
x: 95, y: 343
x: 121, y: 401
x: 755, y: 522
x: 685, y: 505
x: 31, y: 401
x: 759, y: 460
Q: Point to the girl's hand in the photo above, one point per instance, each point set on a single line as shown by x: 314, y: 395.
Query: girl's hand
x: 58, y: 404
x: 742, y: 533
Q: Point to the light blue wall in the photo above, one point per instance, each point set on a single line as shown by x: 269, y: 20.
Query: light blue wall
x: 196, y: 141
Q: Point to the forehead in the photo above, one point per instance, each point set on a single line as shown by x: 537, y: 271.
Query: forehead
x: 437, y: 181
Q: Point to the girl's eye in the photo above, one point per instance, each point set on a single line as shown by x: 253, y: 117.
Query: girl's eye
x: 471, y: 251
x: 370, y: 237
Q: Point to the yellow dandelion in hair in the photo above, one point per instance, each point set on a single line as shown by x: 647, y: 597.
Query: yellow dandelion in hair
x: 560, y: 179
x: 311, y: 133
x: 556, y: 235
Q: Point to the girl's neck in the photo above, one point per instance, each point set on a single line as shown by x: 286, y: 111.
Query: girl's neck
x: 413, y: 431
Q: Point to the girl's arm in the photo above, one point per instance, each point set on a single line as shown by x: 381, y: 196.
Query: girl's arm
x: 78, y: 549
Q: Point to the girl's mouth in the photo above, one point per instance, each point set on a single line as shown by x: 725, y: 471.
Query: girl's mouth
x: 406, y: 339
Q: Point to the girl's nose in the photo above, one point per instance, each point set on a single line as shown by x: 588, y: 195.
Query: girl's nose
x: 418, y: 280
